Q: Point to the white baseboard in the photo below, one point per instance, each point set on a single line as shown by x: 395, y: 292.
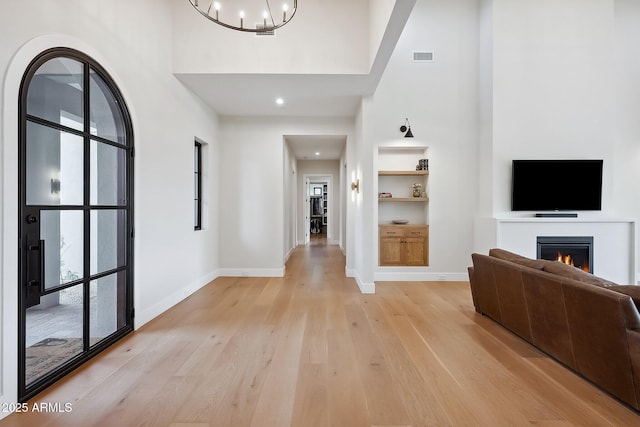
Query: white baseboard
x: 251, y: 272
x: 144, y: 316
x: 288, y: 255
x: 365, y: 288
x: 418, y: 276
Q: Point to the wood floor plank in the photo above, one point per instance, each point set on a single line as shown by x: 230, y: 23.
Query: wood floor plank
x: 381, y: 392
x: 420, y: 398
x: 347, y: 403
x: 275, y: 404
x: 311, y: 406
x: 308, y: 349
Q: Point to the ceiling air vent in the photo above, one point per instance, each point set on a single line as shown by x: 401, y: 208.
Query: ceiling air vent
x: 422, y: 56
x: 270, y: 33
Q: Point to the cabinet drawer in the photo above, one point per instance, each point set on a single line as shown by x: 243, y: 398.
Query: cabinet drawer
x: 416, y: 232
x: 392, y: 232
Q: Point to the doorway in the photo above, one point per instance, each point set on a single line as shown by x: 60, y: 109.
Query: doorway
x: 318, y: 209
x: 75, y: 219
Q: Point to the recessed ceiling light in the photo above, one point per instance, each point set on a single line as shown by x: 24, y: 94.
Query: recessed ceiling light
x: 279, y: 101
x: 317, y: 153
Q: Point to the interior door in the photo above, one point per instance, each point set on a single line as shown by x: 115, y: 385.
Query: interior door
x: 75, y: 217
x: 307, y: 212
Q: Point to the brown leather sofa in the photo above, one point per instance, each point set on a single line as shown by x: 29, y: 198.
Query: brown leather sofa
x: 589, y: 324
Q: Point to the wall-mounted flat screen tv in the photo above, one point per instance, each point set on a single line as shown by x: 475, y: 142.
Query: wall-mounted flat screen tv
x: 556, y: 185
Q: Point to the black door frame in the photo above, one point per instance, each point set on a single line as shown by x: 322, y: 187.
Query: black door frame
x: 32, y: 250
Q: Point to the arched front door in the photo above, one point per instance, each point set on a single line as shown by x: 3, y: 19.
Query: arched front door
x: 75, y: 222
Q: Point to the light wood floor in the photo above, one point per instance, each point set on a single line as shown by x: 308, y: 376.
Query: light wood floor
x: 310, y: 350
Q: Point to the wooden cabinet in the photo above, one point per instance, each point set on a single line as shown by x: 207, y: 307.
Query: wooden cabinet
x: 404, y: 245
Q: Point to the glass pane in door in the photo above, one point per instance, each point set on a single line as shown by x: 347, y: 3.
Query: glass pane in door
x: 108, y: 174
x: 54, y: 166
x: 106, y: 116
x: 63, y: 236
x: 108, y: 240
x: 108, y: 305
x: 53, y: 332
x: 56, y: 92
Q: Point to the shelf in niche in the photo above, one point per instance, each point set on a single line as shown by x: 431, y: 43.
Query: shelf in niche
x: 403, y: 173
x: 403, y: 199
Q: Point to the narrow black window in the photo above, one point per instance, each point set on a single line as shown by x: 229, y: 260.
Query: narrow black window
x: 197, y: 185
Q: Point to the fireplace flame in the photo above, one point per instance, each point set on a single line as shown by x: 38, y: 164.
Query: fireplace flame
x: 566, y: 259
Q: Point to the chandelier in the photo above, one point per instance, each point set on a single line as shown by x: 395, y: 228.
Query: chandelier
x: 255, y: 21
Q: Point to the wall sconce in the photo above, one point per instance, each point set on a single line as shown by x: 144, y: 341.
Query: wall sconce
x: 356, y: 186
x: 55, y: 186
x: 406, y: 127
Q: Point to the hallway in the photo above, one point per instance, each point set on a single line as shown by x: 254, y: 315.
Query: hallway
x: 310, y: 350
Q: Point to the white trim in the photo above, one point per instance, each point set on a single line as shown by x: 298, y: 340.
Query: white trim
x: 251, y: 272
x: 288, y: 254
x: 173, y: 299
x: 365, y: 288
x: 409, y: 276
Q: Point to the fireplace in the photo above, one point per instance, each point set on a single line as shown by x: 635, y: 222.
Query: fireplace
x: 572, y: 250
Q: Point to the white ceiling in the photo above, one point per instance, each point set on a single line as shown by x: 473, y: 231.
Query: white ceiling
x: 305, y: 147
x: 304, y: 95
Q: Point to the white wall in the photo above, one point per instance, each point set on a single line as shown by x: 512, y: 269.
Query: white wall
x: 290, y: 185
x: 313, y: 42
x: 440, y: 100
x: 251, y: 168
x: 379, y: 14
x: 553, y: 86
x: 131, y: 40
x: 627, y: 109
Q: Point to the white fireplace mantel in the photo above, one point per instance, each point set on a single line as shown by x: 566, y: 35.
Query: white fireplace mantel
x: 614, y: 240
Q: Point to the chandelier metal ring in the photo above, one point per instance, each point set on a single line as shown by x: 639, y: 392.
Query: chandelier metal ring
x: 268, y: 23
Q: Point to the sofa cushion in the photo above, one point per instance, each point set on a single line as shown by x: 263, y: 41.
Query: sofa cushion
x: 570, y: 272
x: 632, y: 290
x: 538, y: 264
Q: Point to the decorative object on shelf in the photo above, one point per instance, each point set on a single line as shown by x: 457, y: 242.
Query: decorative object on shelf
x: 356, y: 185
x: 400, y: 221
x: 423, y: 165
x: 385, y: 195
x: 417, y: 189
x: 264, y: 21
x: 406, y: 127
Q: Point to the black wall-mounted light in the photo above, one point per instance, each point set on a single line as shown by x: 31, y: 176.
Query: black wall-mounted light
x: 55, y: 186
x: 406, y: 127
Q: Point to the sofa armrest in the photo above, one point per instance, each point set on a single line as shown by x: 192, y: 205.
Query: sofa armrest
x: 473, y: 292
